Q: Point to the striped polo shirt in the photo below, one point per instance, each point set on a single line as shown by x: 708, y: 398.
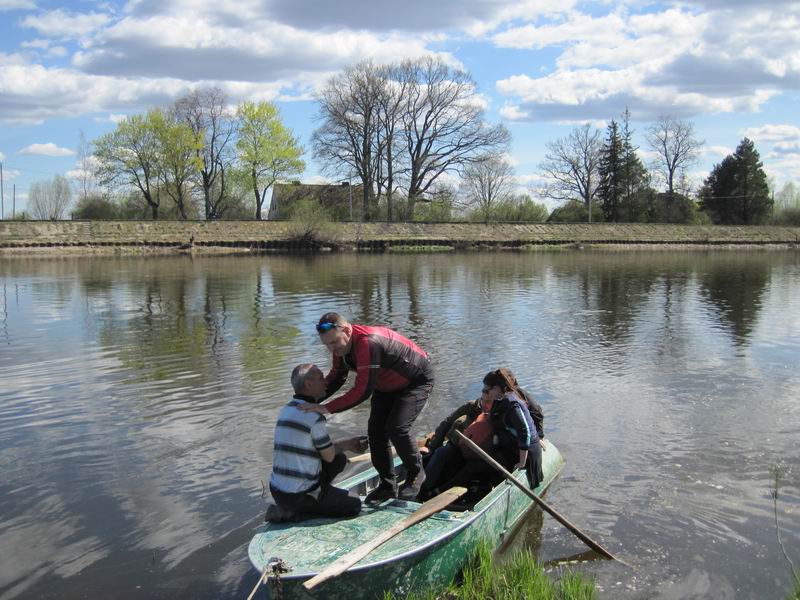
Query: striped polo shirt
x: 299, y: 436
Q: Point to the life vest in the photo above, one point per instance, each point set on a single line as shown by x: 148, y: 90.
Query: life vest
x: 481, y: 432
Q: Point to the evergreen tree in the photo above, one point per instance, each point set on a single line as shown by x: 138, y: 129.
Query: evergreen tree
x: 612, y: 188
x: 736, y: 191
x: 625, y: 192
x: 639, y: 193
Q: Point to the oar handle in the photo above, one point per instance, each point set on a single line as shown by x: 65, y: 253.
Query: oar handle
x: 544, y: 505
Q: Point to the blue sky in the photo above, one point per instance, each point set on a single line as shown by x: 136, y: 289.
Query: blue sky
x: 543, y: 66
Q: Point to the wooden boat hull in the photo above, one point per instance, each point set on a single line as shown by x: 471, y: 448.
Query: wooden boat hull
x: 427, y: 555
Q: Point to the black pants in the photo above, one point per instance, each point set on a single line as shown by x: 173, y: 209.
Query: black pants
x: 534, y: 465
x: 533, y: 468
x: 448, y: 467
x: 390, y: 419
x: 332, y: 502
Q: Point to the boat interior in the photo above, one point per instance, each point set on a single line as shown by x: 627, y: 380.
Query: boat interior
x: 366, y: 481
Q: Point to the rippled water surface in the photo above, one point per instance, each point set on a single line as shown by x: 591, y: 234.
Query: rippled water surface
x: 138, y: 398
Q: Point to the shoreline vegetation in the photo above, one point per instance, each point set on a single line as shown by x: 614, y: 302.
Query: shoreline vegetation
x: 519, y: 577
x: 56, y: 238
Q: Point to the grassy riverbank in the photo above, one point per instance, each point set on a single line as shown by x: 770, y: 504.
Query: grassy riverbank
x: 94, y: 237
x: 519, y: 577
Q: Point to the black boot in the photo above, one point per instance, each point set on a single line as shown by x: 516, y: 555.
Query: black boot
x: 410, y: 489
x: 383, y: 492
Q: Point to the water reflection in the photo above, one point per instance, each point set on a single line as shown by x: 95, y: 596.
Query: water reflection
x: 138, y: 400
x: 735, y: 290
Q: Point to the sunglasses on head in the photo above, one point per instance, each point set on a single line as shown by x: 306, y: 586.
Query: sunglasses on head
x: 323, y: 327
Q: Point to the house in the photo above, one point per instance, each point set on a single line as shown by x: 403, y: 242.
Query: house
x: 337, y: 198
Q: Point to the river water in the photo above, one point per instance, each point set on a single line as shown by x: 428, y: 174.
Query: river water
x: 138, y: 398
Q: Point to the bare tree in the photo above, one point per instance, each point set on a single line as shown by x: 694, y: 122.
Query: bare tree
x: 444, y: 124
x: 391, y: 98
x: 85, y: 179
x: 206, y: 112
x: 676, y: 145
x: 571, y: 166
x: 49, y: 200
x: 486, y: 182
x: 348, y: 137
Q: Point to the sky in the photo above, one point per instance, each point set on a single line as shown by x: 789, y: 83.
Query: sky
x: 732, y: 67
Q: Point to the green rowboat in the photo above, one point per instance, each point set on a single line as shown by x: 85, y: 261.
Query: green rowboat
x: 424, y: 556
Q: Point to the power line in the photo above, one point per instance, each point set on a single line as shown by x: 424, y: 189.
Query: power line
x: 32, y: 170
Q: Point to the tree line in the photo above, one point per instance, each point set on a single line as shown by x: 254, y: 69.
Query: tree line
x: 199, y: 149
x: 602, y: 178
x: 415, y: 136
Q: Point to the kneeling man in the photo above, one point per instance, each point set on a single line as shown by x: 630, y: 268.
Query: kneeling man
x: 305, y: 460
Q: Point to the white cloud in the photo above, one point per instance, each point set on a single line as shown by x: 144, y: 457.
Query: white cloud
x: 112, y: 118
x: 648, y: 155
x: 48, y: 149
x: 37, y: 44
x: 608, y: 29
x: 772, y: 133
x: 34, y: 93
x: 62, y: 24
x: 77, y: 174
x: 531, y: 179
x: 2, y: 156
x: 12, y: 59
x: 16, y: 5
x: 9, y: 174
x: 675, y: 61
x: 473, y: 16
x: 715, y: 151
x: 787, y: 148
x: 190, y: 48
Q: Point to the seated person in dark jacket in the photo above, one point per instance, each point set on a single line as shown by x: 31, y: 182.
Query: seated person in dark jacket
x: 501, y: 422
x: 305, y: 460
x: 514, y: 422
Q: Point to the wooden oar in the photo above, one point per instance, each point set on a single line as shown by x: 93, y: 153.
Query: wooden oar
x: 544, y: 505
x: 261, y: 580
x: 431, y: 507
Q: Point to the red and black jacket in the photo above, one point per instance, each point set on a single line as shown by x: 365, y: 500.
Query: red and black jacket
x: 384, y: 361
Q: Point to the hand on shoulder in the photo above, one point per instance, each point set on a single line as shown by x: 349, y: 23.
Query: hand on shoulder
x: 315, y: 408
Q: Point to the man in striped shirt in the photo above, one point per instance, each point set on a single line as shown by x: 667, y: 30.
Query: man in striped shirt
x: 305, y: 461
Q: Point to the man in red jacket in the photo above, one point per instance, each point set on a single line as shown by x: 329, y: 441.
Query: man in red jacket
x: 397, y: 374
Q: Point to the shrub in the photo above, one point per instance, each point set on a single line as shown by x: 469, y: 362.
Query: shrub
x: 788, y: 216
x: 575, y: 212
x: 311, y: 222
x: 96, y: 207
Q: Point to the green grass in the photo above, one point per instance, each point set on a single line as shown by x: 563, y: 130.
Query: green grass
x: 544, y: 247
x: 520, y: 577
x: 795, y: 595
x: 421, y: 248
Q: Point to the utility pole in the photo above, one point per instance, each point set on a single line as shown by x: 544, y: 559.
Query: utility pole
x: 13, y: 201
x: 350, y: 192
x: 772, y: 218
x: 2, y: 200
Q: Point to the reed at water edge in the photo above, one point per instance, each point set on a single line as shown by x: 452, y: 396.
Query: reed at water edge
x: 519, y: 577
